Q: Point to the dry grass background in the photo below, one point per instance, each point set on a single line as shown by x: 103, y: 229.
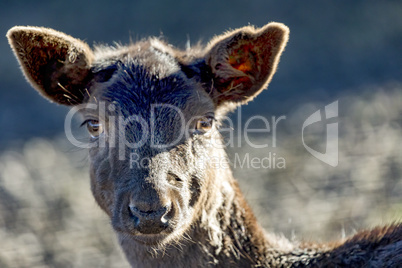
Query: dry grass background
x: 48, y: 217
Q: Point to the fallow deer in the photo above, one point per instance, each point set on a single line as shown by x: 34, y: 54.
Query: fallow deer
x: 153, y: 113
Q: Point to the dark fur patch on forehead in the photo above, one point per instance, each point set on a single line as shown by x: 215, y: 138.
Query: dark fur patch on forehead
x: 135, y: 89
x: 137, y: 76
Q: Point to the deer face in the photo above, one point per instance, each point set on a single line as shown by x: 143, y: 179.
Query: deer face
x: 150, y: 142
x: 152, y: 113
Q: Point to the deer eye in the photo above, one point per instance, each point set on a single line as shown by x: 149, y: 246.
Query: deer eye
x: 94, y: 127
x: 204, y: 124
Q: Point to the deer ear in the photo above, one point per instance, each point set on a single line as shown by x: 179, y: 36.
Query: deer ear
x: 243, y: 61
x: 57, y: 65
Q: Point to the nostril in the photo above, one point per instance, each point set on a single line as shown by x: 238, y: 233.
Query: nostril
x: 167, y: 215
x: 133, y: 214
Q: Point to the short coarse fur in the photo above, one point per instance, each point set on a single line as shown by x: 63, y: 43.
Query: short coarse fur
x: 179, y: 210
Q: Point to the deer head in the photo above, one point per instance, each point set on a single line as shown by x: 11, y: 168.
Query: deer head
x: 153, y: 114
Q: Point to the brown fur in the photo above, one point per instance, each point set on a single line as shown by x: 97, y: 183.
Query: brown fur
x: 40, y: 51
x: 207, y: 222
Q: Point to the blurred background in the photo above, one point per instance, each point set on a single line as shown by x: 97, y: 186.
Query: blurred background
x: 350, y: 51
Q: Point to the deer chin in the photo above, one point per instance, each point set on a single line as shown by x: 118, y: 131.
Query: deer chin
x: 151, y: 240
x: 154, y: 241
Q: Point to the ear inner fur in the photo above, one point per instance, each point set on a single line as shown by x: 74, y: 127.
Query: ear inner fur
x: 57, y: 65
x: 244, y: 61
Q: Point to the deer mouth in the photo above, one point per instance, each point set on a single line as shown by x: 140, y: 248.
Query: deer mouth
x: 150, y: 239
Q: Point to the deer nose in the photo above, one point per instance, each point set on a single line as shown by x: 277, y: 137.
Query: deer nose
x: 149, y: 219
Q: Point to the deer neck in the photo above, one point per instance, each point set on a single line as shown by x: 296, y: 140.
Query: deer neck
x: 231, y: 236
